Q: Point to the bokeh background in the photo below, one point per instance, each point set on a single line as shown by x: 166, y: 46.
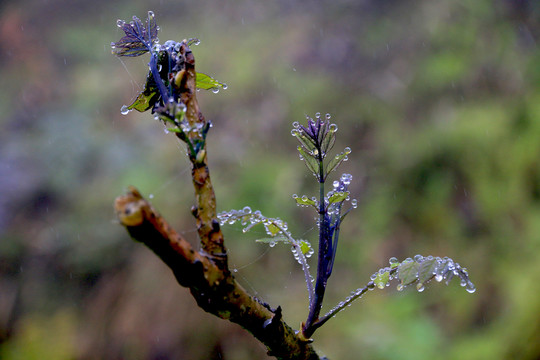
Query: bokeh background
x: 438, y: 100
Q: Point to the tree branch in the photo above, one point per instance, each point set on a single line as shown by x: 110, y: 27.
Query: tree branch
x: 215, y: 290
x: 206, y: 273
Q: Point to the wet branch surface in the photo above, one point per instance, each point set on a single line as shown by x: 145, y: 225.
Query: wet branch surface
x: 206, y: 272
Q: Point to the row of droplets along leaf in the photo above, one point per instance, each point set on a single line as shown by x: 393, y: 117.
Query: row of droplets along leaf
x: 418, y: 270
x: 276, y: 228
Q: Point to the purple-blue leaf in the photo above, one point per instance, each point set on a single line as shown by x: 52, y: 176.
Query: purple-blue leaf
x: 138, y: 38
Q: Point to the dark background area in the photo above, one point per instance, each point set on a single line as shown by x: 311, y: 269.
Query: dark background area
x: 438, y: 100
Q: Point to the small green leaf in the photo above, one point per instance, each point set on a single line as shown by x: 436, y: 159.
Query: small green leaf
x: 382, y: 279
x: 408, y: 271
x: 271, y: 229
x: 338, y: 196
x: 206, y: 82
x: 305, y: 247
x: 334, y: 163
x: 147, y: 98
x: 311, y: 163
x: 304, y: 200
x: 328, y: 141
x: 427, y: 269
x: 306, y: 141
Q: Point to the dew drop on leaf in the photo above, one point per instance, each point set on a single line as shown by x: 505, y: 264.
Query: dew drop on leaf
x: 420, y: 287
x: 124, y: 110
x: 470, y: 287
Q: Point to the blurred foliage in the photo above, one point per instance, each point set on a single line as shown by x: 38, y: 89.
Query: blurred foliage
x: 439, y: 102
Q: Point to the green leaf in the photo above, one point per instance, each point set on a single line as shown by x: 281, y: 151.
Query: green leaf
x: 328, y: 141
x: 427, y: 269
x: 334, y: 163
x: 304, y: 200
x: 271, y: 229
x: 147, y: 98
x: 306, y: 142
x: 382, y: 279
x: 205, y: 82
x: 306, y: 247
x: 338, y: 196
x: 311, y: 163
x: 407, y: 272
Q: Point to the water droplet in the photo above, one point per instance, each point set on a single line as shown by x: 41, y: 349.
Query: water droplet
x: 151, y: 15
x: 438, y: 277
x: 120, y: 23
x: 318, y: 115
x: 333, y: 127
x: 273, y: 243
x: 346, y: 179
x: 328, y: 116
x: 418, y: 258
x: 373, y: 276
x: 400, y: 287
x: 246, y: 210
x: 354, y: 203
x: 151, y: 196
x: 215, y: 90
x: 224, y: 86
x: 393, y: 260
x: 124, y: 110
x: 347, y: 150
x: 470, y: 287
x: 420, y: 287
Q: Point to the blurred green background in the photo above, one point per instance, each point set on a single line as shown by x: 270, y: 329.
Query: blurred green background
x: 439, y: 101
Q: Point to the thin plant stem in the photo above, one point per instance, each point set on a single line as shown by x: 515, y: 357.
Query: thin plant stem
x: 303, y: 261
